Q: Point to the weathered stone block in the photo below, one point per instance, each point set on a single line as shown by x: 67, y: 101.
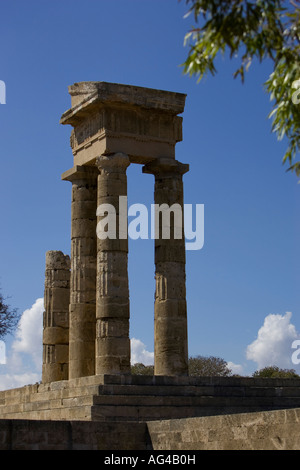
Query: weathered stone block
x: 57, y: 260
x: 108, y: 306
x: 55, y: 335
x: 171, y: 310
x: 112, y: 327
x: 82, y: 209
x: 113, y: 364
x: 114, y: 347
x: 165, y: 252
x: 83, y: 228
x: 60, y: 298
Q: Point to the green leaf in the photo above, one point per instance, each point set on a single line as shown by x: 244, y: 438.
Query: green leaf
x: 258, y: 30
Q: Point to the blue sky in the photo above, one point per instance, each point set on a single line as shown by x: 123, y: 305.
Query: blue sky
x: 248, y: 267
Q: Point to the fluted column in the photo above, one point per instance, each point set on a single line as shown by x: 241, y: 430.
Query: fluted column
x: 112, y: 330
x: 56, y: 317
x: 170, y: 313
x: 83, y: 271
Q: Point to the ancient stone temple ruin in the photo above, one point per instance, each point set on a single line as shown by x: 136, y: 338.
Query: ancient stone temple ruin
x: 114, y: 126
x: 88, y: 398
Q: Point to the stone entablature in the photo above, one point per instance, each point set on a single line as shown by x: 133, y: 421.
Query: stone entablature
x: 109, y: 118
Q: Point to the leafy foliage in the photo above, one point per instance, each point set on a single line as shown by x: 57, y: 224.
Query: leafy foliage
x: 253, y: 30
x: 8, y: 318
x: 212, y: 366
x: 141, y: 369
x: 198, y: 366
x: 208, y: 366
x: 274, y: 371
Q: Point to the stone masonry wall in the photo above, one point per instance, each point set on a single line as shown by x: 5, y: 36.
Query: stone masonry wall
x: 72, y: 435
x: 269, y: 430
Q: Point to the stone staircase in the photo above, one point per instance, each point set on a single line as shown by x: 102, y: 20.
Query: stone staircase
x: 147, y: 398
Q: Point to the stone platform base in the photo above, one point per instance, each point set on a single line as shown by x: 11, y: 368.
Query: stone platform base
x: 266, y: 430
x: 132, y: 398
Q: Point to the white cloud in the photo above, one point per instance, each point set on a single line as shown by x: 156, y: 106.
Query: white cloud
x: 29, y: 333
x: 235, y: 368
x: 140, y: 354
x: 273, y: 345
x: 2, y: 352
x: 23, y: 363
x: 8, y: 381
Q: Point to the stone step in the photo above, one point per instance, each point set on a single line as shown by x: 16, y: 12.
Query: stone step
x: 142, y: 400
x: 148, y: 413
x: 189, y: 390
x: 195, y: 381
x: 49, y: 406
x: 146, y: 397
x: 158, y: 397
x: 141, y: 395
x: 60, y: 394
x: 71, y: 413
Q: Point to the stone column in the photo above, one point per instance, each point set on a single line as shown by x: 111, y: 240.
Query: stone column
x: 170, y: 317
x: 112, y: 330
x: 56, y: 317
x: 83, y: 271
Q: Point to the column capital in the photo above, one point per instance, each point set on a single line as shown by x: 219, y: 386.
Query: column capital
x: 115, y: 163
x: 165, y: 167
x: 79, y: 172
